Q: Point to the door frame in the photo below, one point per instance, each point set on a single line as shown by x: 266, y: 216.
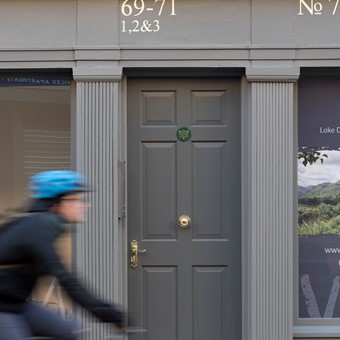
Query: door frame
x: 122, y: 275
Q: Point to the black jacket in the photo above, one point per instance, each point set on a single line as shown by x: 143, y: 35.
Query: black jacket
x: 27, y: 252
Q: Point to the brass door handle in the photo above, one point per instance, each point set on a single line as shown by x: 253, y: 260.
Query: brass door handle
x: 134, y: 253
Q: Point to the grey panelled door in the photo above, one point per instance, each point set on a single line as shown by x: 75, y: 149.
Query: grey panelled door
x: 187, y: 285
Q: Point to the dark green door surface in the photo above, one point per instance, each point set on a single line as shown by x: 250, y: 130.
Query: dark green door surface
x: 187, y: 285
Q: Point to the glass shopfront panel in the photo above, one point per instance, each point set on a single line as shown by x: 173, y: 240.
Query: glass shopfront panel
x: 35, y: 134
x: 319, y: 197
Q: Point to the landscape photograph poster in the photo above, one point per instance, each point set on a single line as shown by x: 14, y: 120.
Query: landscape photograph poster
x: 319, y: 196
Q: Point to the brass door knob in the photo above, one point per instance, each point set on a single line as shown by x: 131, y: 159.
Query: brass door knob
x: 184, y: 221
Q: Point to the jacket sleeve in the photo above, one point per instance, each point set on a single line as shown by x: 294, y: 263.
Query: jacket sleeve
x: 42, y: 252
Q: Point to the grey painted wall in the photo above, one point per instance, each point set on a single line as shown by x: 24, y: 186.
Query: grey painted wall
x: 201, y: 23
x: 270, y: 39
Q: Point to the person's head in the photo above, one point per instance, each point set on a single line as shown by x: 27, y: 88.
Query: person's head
x: 62, y: 192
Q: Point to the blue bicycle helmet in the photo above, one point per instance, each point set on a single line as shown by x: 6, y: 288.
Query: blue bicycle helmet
x: 51, y: 184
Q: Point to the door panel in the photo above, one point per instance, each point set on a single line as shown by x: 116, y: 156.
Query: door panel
x: 161, y: 304
x: 188, y: 283
x: 158, y: 189
x: 209, y: 312
x: 209, y: 190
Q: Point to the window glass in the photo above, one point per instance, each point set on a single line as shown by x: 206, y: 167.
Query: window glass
x: 34, y: 136
x: 319, y: 197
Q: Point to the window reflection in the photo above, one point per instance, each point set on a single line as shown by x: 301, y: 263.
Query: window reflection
x: 34, y: 136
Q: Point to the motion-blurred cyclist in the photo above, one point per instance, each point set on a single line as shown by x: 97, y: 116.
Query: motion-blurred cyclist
x: 27, y: 252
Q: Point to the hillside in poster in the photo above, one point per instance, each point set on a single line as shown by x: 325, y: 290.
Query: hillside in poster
x: 319, y: 209
x: 319, y: 197
x: 319, y: 238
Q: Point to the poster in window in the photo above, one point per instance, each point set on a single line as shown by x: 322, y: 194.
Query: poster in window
x: 319, y: 196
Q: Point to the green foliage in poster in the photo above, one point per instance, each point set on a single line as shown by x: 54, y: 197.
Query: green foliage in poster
x: 311, y: 157
x: 319, y: 215
x: 319, y: 205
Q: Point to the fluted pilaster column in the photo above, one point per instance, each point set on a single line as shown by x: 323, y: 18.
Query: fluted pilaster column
x: 96, y: 155
x: 270, y: 203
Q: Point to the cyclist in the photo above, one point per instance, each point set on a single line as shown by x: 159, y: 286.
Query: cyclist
x: 27, y: 252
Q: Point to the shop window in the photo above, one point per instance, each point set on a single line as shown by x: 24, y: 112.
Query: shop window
x: 34, y: 136
x: 319, y: 197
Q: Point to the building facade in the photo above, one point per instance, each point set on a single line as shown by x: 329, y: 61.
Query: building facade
x: 185, y: 116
